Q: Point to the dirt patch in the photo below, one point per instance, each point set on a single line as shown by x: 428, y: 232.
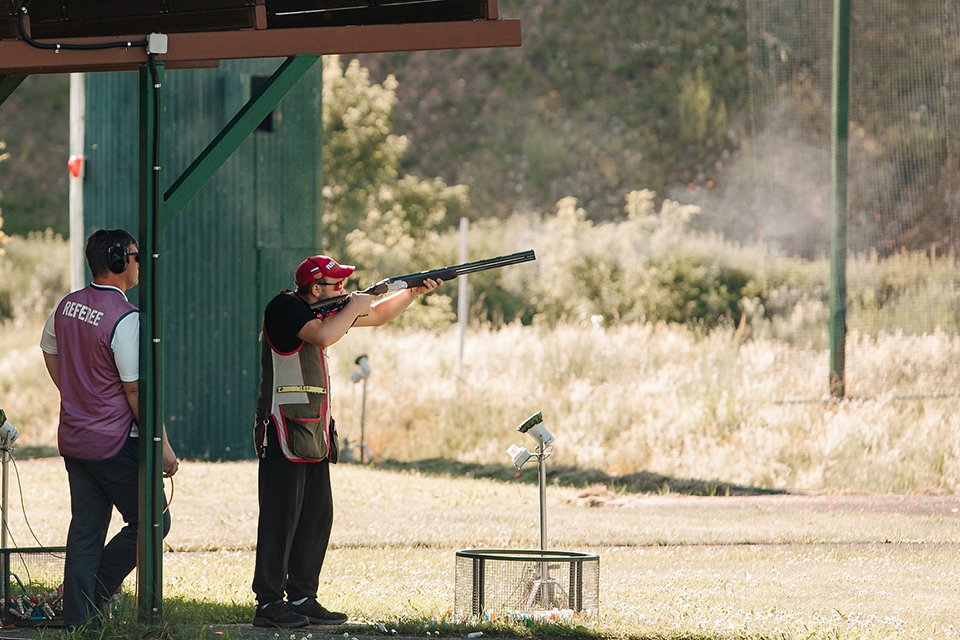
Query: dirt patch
x: 918, y: 505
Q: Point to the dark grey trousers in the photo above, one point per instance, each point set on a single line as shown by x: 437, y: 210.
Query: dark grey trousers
x: 296, y: 515
x: 93, y: 572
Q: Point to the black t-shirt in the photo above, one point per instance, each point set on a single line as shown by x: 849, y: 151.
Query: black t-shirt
x: 283, y: 318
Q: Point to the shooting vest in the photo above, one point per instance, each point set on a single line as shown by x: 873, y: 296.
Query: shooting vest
x: 293, y: 396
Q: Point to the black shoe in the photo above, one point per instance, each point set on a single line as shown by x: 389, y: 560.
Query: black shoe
x: 279, y: 615
x: 317, y: 614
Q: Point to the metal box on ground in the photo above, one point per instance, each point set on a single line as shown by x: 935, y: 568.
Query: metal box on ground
x: 526, y: 585
x: 32, y: 586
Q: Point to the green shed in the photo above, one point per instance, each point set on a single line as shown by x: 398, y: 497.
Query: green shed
x: 233, y: 247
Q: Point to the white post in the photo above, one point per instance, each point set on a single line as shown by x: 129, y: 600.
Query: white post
x: 363, y: 417
x: 78, y: 119
x: 6, y: 523
x: 462, y: 302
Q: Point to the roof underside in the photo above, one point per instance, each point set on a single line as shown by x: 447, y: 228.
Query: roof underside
x: 202, y: 32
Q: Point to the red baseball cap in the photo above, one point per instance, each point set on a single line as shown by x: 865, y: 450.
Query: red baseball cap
x: 316, y: 267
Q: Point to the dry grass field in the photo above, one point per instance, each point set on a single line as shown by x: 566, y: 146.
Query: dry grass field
x: 862, y: 540
x: 787, y: 565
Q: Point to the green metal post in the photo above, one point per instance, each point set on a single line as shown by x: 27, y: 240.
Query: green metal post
x: 840, y: 116
x: 150, y: 531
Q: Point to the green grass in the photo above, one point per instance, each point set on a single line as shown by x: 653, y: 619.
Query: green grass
x: 672, y: 566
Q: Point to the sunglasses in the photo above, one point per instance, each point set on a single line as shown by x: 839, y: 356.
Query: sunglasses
x: 337, y: 286
x: 135, y: 255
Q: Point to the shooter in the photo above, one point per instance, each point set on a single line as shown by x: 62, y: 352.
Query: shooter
x: 296, y: 438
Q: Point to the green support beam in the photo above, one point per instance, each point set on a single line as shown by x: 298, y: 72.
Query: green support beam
x: 840, y: 127
x: 233, y: 134
x: 150, y: 531
x: 156, y: 213
x: 9, y: 84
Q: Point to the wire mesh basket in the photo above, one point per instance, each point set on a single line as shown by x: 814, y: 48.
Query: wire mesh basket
x: 32, y: 586
x: 527, y: 584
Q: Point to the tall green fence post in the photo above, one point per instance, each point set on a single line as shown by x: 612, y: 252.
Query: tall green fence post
x: 840, y: 116
x: 150, y: 531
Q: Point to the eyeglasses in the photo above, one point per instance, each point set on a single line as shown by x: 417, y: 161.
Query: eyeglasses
x: 135, y: 255
x: 337, y: 286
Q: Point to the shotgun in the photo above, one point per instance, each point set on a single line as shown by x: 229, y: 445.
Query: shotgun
x: 397, y: 283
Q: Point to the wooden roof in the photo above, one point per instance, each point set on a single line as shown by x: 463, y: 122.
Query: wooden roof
x: 202, y: 32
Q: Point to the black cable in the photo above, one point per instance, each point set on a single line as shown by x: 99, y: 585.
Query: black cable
x: 23, y: 508
x: 10, y: 533
x: 123, y: 44
x: 23, y: 504
x: 172, y: 490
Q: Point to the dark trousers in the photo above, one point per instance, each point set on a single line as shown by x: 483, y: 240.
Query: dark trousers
x: 296, y: 515
x: 92, y: 572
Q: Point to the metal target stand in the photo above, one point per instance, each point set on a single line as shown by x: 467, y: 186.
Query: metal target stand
x: 8, y: 434
x: 30, y: 607
x: 527, y: 584
x: 543, y: 589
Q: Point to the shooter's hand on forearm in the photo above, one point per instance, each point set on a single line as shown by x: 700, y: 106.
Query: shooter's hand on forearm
x: 428, y: 286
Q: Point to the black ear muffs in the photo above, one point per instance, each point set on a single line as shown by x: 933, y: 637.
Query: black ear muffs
x: 118, y: 258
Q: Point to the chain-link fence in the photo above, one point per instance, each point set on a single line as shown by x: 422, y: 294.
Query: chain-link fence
x: 903, y: 218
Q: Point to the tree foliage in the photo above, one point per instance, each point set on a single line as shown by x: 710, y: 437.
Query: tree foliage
x: 589, y: 106
x: 373, y: 216
x: 360, y: 150
x: 34, y: 122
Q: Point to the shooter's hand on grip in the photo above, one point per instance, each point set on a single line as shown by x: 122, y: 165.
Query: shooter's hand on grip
x: 360, y: 303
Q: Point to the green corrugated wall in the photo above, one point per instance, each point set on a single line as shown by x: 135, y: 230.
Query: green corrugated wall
x: 234, y: 246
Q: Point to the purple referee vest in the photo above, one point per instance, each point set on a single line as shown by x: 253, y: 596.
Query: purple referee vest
x: 95, y: 416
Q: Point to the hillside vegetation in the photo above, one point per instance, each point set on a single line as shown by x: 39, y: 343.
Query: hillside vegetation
x: 722, y: 103
x: 675, y: 97
x: 35, y: 125
x: 599, y: 100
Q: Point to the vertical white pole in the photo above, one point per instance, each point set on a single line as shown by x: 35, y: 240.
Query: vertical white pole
x: 462, y: 302
x: 546, y: 584
x: 542, y: 478
x: 5, y: 558
x: 363, y: 417
x: 6, y: 526
x: 78, y: 119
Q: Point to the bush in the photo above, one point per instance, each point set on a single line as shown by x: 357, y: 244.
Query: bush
x: 654, y: 266
x: 649, y: 267
x: 691, y: 289
x: 34, y: 275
